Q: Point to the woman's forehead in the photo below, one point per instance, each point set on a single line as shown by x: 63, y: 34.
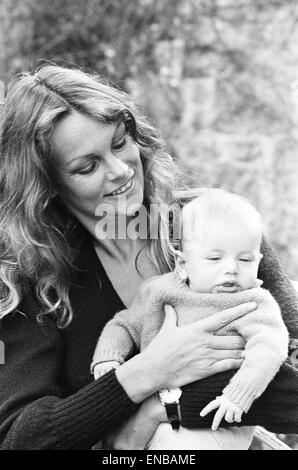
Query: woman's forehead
x: 77, y: 134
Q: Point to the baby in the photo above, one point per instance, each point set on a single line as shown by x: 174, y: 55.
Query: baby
x: 215, y: 269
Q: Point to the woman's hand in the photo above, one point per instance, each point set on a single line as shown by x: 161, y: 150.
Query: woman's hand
x: 178, y: 356
x: 138, y: 430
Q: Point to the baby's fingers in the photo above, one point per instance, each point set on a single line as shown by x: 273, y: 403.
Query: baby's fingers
x: 230, y: 416
x: 98, y: 373
x: 238, y: 416
x: 210, y: 407
x: 218, y: 417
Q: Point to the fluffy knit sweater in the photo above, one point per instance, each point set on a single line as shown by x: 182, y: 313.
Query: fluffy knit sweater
x: 264, y: 332
x: 49, y: 400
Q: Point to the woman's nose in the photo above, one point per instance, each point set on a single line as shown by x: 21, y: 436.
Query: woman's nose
x: 116, y: 169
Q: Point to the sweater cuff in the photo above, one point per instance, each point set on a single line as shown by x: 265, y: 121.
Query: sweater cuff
x: 86, y: 417
x: 107, y: 355
x: 240, y: 394
x: 103, y: 359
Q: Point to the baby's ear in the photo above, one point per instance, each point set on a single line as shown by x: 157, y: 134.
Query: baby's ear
x: 258, y: 283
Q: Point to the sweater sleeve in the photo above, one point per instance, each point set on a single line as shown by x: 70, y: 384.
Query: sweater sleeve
x: 132, y: 329
x: 35, y: 411
x: 121, y: 336
x: 266, y: 349
x: 118, y: 339
x: 277, y: 408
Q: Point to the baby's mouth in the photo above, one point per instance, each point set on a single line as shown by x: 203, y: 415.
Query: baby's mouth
x: 228, y: 286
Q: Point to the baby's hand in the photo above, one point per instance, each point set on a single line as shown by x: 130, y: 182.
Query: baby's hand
x: 102, y: 368
x: 226, y: 408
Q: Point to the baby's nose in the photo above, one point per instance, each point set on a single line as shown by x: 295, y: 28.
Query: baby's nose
x: 231, y: 266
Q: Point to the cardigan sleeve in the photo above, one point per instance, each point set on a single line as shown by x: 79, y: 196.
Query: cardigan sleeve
x: 35, y: 411
x: 277, y: 408
x: 275, y: 280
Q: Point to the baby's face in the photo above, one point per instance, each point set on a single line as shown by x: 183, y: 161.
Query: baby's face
x: 223, y: 257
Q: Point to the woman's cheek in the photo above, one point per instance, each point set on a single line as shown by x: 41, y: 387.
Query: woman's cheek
x: 84, y: 190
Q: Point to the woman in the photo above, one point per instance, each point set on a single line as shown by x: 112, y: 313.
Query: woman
x: 72, y: 146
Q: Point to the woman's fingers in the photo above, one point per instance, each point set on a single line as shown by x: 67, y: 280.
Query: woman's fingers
x: 226, y: 364
x: 170, y: 320
x: 227, y: 342
x: 221, y: 319
x: 222, y: 354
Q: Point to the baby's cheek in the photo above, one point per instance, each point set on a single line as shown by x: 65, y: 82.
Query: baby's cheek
x: 249, y: 279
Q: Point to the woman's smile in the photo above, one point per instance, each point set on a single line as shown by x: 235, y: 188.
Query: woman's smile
x: 123, y: 188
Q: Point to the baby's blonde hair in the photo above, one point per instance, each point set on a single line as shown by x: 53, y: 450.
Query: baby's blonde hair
x: 212, y: 204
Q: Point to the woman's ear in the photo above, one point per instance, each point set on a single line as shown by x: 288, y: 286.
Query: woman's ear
x: 51, y: 195
x: 180, y: 265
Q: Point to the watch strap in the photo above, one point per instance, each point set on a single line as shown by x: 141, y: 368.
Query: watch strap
x: 173, y: 415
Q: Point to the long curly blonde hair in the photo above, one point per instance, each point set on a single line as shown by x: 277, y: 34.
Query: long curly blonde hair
x: 34, y: 240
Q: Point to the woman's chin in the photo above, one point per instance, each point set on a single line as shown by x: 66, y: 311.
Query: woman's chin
x: 130, y: 206
x: 129, y: 211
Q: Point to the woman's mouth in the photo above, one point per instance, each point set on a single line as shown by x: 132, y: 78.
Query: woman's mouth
x: 123, y: 188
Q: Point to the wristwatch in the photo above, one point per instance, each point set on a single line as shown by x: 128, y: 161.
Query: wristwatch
x: 169, y: 397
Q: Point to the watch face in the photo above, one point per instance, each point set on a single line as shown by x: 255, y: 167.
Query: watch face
x: 170, y: 395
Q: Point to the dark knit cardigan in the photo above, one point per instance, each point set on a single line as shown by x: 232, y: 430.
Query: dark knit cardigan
x: 48, y: 399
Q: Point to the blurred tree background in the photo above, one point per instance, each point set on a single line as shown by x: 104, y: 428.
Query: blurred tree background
x: 219, y: 78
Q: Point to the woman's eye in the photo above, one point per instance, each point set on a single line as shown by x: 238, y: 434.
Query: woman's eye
x: 120, y: 144
x: 88, y: 169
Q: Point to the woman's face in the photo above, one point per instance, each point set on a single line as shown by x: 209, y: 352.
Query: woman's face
x: 97, y: 165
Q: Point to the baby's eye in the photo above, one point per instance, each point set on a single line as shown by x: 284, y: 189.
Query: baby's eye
x: 245, y: 260
x: 214, y: 258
